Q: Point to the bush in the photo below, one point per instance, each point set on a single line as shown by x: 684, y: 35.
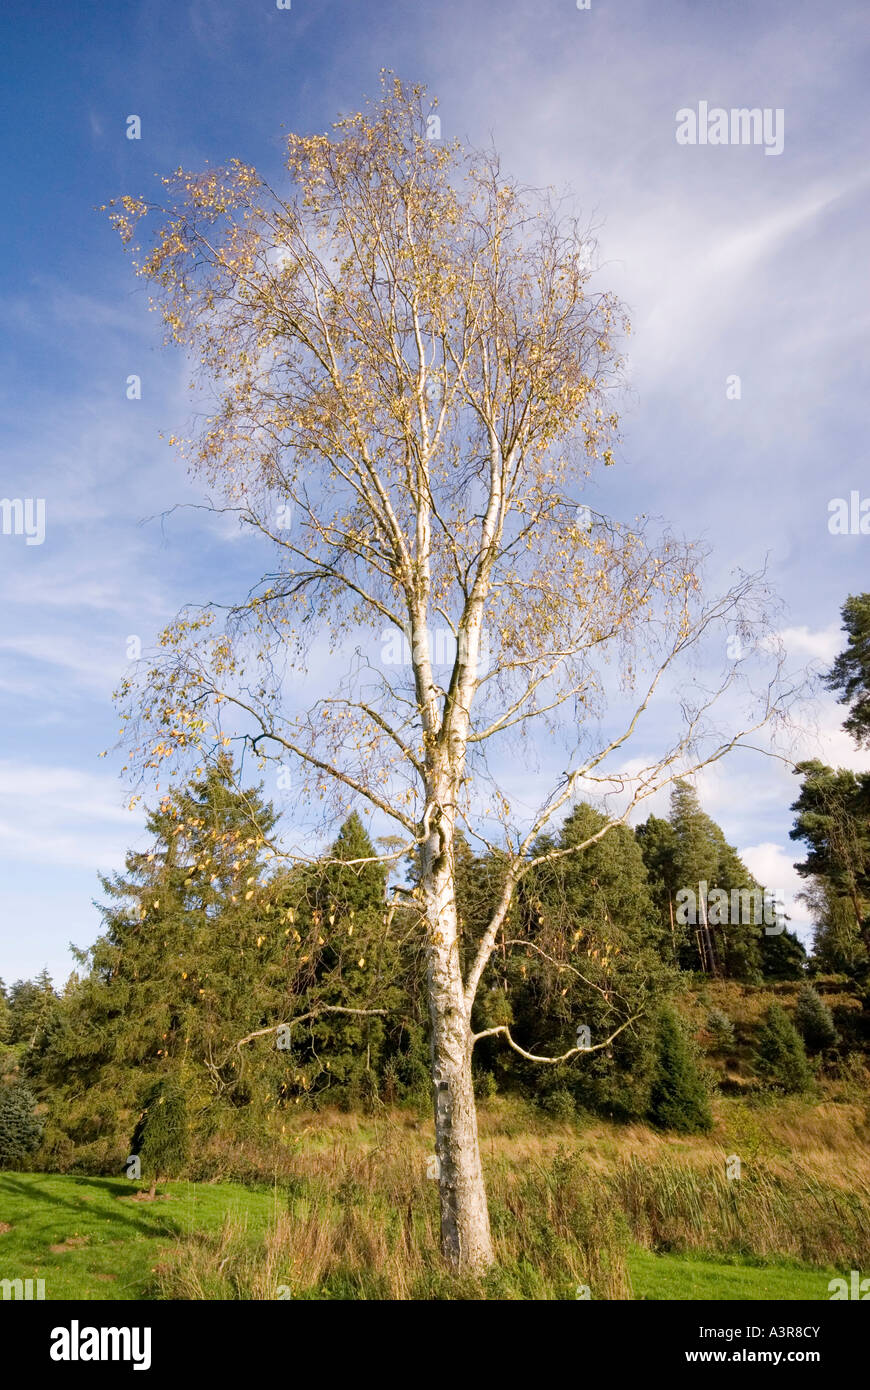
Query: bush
x: 161, y: 1136
x: 560, y: 1105
x: 20, y: 1127
x: 721, y: 1028
x: 679, y: 1098
x: 780, y: 1057
x: 486, y: 1086
x: 813, y: 1020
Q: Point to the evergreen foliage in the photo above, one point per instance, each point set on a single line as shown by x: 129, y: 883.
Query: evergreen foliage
x: 780, y: 1057
x: 686, y: 852
x: 679, y: 1099
x: 814, y: 1021
x: 833, y: 820
x: 721, y: 1028
x: 592, y: 952
x: 783, y: 956
x: 161, y: 1136
x: 20, y: 1126
x: 850, y: 673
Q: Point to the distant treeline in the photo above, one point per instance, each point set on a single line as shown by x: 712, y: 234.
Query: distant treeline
x: 259, y: 987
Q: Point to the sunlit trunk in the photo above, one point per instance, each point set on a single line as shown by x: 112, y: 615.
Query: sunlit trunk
x: 465, y: 1235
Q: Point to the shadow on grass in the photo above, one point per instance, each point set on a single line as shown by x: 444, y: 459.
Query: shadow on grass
x: 117, y: 1188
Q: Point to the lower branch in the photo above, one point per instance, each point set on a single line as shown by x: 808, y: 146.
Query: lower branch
x: 303, y: 1018
x: 551, y: 1061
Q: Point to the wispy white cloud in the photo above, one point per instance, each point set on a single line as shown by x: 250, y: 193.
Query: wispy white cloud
x: 63, y: 816
x: 729, y: 262
x: 772, y: 866
x: 86, y: 661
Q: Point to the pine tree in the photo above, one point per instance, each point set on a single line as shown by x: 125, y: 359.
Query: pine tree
x: 834, y: 808
x: 696, y: 862
x: 814, y: 1021
x: 347, y: 967
x: 850, y: 673
x: 357, y: 961
x: 33, y: 1010
x: 5, y: 1016
x: 20, y: 1127
x: 783, y: 956
x: 837, y: 943
x: 176, y: 976
x: 833, y: 820
x: 739, y: 934
x: 658, y: 844
x: 348, y: 886
x: 161, y: 1136
x: 780, y: 1057
x: 721, y: 1028
x: 596, y: 953
x: 679, y: 1099
x: 719, y: 941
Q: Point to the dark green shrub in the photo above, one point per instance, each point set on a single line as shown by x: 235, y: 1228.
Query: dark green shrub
x: 679, y: 1098
x: 560, y: 1105
x: 20, y: 1126
x: 780, y: 1057
x: 813, y: 1020
x: 721, y: 1028
x: 161, y: 1136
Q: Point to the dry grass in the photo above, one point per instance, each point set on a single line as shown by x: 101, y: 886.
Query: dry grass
x: 355, y: 1217
x: 765, y: 1214
x: 366, y: 1226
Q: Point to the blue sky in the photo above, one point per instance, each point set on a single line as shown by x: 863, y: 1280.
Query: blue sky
x: 731, y: 261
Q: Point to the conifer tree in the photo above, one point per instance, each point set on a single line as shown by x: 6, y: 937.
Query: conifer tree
x: 176, y: 973
x: 20, y: 1127
x: 837, y: 942
x: 780, y: 1057
x: 696, y: 857
x: 814, y: 1021
x: 5, y: 1015
x: 658, y: 844
x: 33, y: 1010
x: 589, y: 948
x: 850, y: 673
x: 783, y: 956
x: 358, y: 977
x: 739, y: 934
x: 679, y: 1098
x: 161, y: 1136
x: 721, y: 1028
x: 833, y: 820
x: 833, y: 813
x: 696, y: 862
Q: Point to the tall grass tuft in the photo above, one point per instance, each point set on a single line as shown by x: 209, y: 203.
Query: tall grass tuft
x: 354, y: 1223
x: 368, y: 1228
x: 678, y: 1207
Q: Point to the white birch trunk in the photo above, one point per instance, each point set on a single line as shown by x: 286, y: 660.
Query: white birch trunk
x: 465, y: 1235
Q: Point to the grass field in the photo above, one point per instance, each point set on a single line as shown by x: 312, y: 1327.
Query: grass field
x: 88, y: 1240
x: 679, y: 1277
x: 336, y: 1205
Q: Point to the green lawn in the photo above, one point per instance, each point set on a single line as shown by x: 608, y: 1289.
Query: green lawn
x: 113, y: 1244
x: 685, y: 1277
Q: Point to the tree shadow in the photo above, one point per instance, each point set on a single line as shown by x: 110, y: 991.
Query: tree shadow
x: 117, y: 1187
